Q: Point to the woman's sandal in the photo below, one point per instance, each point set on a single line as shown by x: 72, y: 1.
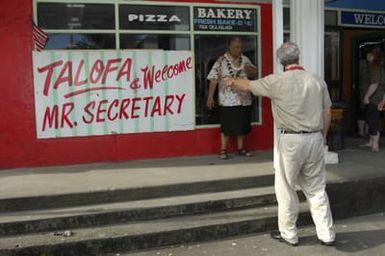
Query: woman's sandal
x: 223, y: 154
x: 244, y: 152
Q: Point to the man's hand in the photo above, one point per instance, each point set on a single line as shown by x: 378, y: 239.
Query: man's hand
x: 210, y: 102
x: 227, y: 81
x: 241, y: 84
x: 250, y: 71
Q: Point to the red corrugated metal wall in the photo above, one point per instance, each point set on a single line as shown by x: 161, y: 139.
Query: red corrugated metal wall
x: 19, y: 146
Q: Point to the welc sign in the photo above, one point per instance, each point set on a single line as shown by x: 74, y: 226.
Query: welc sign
x: 362, y: 19
x: 85, y: 93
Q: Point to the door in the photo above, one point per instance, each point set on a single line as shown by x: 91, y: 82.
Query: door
x: 373, y: 43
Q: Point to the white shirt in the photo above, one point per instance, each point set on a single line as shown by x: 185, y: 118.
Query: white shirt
x: 298, y: 99
x: 228, y: 95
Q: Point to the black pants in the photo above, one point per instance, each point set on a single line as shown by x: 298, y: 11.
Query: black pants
x: 373, y: 119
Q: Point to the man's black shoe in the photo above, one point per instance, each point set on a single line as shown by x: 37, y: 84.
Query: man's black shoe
x: 277, y: 236
x: 332, y: 243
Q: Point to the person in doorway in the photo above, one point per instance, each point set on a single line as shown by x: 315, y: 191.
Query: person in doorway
x: 373, y: 97
x: 363, y: 84
x: 234, y: 104
x: 374, y: 105
x: 301, y: 110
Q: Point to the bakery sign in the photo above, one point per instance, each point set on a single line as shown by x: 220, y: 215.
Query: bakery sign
x: 85, y: 93
x: 225, y: 19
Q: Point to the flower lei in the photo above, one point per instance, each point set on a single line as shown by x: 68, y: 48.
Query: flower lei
x: 234, y: 71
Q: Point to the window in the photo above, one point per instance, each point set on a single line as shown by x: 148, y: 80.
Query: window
x: 286, y: 19
x: 207, y: 49
x: 332, y: 64
x: 179, y: 26
x: 155, y: 41
x: 76, y: 16
x: 81, y: 41
x: 331, y: 18
x: 63, y: 20
x: 212, y: 28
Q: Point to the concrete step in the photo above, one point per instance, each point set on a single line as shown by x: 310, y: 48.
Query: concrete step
x: 12, y: 204
x: 125, y: 209
x: 44, y: 220
x: 148, y: 234
x: 349, y: 198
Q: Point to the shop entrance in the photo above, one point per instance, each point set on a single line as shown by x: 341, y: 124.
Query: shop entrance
x: 372, y: 43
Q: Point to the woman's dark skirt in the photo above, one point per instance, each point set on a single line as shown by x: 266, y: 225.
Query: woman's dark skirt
x: 235, y: 121
x: 373, y: 118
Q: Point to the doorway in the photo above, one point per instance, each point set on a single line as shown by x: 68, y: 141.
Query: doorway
x: 374, y: 43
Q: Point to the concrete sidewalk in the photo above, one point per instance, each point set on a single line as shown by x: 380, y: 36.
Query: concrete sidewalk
x: 355, y: 163
x: 128, y: 206
x: 358, y: 236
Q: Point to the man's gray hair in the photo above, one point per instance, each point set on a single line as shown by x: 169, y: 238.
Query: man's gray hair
x: 288, y: 53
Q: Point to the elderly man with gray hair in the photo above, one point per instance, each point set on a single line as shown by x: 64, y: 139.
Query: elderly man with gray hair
x: 301, y: 110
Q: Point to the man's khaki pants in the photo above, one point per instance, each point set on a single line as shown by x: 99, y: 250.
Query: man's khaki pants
x: 301, y: 161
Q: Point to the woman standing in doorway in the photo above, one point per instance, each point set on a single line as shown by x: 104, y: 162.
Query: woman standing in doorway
x: 234, y: 105
x: 373, y: 97
x: 363, y: 84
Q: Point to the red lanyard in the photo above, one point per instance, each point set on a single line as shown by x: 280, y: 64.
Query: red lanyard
x: 296, y: 67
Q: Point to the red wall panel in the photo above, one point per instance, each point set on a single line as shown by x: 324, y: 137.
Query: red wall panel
x: 19, y: 146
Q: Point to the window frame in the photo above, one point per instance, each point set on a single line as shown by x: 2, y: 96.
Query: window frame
x: 191, y: 33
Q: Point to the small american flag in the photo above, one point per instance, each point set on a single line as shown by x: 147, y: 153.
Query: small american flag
x: 40, y: 38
